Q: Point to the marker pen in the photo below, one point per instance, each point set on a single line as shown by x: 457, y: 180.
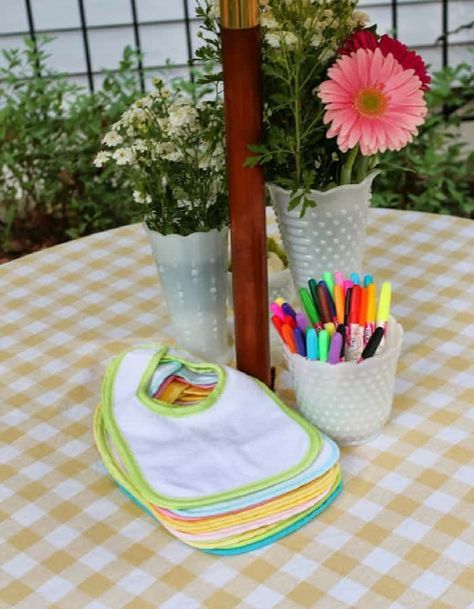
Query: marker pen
x: 330, y: 301
x: 302, y: 321
x: 278, y: 324
x: 309, y: 307
x: 312, y: 348
x: 275, y: 308
x: 288, y: 310
x: 329, y: 281
x: 288, y: 337
x: 373, y: 344
x: 370, y: 314
x: 341, y: 328
x: 355, y: 345
x: 323, y: 339
x: 339, y: 302
x: 300, y: 342
x: 324, y: 303
x: 335, y: 349
x: 339, y: 279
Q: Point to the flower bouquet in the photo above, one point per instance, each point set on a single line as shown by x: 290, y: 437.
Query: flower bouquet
x: 336, y: 96
x: 171, y: 148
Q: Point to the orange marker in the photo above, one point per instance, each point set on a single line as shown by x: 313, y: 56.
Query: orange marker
x: 339, y: 302
x: 287, y: 332
x: 370, y: 315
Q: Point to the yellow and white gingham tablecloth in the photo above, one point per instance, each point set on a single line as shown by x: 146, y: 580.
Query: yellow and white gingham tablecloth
x: 401, y: 534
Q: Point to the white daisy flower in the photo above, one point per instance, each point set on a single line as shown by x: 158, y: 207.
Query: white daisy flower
x: 123, y: 156
x: 112, y: 138
x: 141, y: 197
x: 101, y: 158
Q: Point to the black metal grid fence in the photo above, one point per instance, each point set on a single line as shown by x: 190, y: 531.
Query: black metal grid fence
x: 443, y: 43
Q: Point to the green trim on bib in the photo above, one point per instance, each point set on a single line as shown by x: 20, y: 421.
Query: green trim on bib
x: 240, y: 540
x: 136, y: 475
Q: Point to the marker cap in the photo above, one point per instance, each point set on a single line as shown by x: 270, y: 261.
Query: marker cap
x: 329, y: 281
x: 371, y: 293
x: 288, y: 337
x: 383, y: 312
x: 339, y: 278
x: 308, y: 306
x: 312, y: 349
x: 323, y: 345
x: 335, y: 348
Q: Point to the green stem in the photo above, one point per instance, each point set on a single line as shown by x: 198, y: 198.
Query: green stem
x: 346, y: 171
x: 362, y: 168
x: 298, y: 141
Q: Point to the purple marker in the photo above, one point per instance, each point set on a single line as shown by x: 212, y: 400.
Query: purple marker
x: 335, y: 348
x: 288, y: 310
x: 302, y: 321
x: 299, y: 341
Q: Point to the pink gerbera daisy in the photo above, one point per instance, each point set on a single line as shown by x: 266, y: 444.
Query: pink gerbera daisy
x: 372, y: 101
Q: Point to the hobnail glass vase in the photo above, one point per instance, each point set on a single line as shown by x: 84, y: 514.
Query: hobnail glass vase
x: 193, y: 274
x: 331, y: 236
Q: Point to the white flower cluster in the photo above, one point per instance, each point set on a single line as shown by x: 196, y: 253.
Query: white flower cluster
x: 141, y: 197
x: 215, y: 9
x: 181, y: 114
x: 169, y: 145
x: 283, y: 38
x: 321, y: 17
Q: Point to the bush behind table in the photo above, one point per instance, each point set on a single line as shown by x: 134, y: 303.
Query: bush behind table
x: 51, y: 129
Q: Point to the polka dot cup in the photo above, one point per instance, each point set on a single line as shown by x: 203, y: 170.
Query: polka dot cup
x: 347, y: 401
x: 330, y: 236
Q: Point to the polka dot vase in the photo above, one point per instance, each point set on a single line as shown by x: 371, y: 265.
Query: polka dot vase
x: 331, y: 236
x: 349, y: 402
x: 193, y: 279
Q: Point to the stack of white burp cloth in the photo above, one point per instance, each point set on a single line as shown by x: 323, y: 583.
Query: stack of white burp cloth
x: 228, y: 473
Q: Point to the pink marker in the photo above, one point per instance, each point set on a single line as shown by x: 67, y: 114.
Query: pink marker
x: 276, y: 310
x: 347, y: 284
x: 339, y: 278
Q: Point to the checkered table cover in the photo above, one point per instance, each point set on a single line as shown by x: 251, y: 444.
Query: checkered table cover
x: 400, y: 535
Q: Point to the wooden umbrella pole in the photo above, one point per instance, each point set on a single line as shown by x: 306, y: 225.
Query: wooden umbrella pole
x: 241, y: 60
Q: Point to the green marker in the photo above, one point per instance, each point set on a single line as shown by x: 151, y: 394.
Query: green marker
x: 309, y: 307
x: 329, y: 279
x: 313, y: 288
x: 323, y: 338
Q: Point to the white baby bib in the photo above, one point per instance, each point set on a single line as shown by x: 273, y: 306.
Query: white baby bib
x: 239, y: 439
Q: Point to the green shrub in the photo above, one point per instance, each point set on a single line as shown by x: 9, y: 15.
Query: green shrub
x: 434, y: 173
x: 50, y: 131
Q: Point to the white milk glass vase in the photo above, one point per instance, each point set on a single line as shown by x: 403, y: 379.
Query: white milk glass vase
x: 331, y: 236
x: 193, y: 273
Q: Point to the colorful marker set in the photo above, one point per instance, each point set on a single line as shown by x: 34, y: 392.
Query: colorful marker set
x: 342, y: 321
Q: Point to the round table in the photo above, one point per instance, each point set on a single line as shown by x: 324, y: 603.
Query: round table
x: 399, y: 536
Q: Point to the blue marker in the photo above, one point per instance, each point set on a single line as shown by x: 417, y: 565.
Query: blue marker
x: 355, y: 278
x: 368, y: 279
x: 299, y: 341
x: 312, y: 350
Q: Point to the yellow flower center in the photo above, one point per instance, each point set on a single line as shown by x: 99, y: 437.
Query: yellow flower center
x: 370, y: 102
